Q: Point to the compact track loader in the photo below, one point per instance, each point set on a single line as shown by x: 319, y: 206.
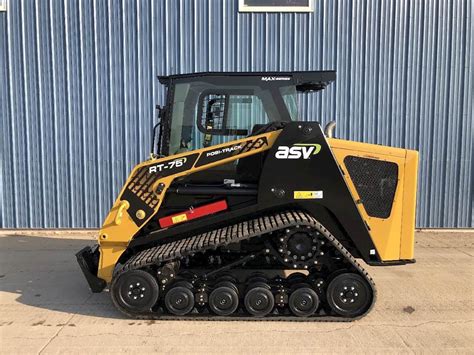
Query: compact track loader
x: 244, y: 211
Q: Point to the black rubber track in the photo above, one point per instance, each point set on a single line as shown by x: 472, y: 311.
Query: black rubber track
x: 232, y: 234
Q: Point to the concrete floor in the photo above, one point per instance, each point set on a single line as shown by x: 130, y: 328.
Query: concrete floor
x: 46, y: 307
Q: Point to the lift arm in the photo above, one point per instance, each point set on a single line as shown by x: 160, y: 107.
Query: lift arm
x: 143, y: 192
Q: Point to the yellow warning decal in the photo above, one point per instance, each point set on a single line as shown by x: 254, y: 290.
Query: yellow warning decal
x: 179, y: 218
x: 307, y: 195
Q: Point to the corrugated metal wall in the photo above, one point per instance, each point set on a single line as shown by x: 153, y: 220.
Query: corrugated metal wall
x: 78, y: 87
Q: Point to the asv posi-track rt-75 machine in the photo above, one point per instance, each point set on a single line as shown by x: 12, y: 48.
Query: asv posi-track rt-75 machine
x: 246, y: 211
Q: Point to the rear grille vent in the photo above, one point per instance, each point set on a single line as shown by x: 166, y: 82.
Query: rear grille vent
x: 375, y: 182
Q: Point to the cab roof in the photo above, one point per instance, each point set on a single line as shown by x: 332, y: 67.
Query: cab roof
x: 304, y: 80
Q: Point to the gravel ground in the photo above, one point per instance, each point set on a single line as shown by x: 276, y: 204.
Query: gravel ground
x: 46, y: 307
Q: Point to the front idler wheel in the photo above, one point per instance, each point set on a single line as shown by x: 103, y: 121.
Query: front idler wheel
x: 304, y: 301
x: 179, y: 300
x: 349, y: 295
x: 259, y: 300
x: 224, y: 299
x: 134, y: 291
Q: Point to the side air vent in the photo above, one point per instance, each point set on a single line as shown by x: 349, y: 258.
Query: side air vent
x: 375, y: 182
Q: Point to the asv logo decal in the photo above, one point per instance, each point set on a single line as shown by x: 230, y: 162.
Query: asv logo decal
x: 297, y: 151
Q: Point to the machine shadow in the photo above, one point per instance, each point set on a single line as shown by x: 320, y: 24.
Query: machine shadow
x: 42, y: 272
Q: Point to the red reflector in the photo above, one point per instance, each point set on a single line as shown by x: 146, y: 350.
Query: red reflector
x: 194, y: 213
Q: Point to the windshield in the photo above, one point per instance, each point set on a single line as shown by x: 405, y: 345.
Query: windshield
x: 205, y: 114
x: 289, y: 97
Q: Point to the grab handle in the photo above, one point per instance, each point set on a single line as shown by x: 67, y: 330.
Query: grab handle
x: 124, y: 205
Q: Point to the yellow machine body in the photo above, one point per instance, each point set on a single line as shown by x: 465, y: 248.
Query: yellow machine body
x: 392, y: 236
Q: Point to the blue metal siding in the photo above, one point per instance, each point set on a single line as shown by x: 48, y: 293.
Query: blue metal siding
x: 78, y: 88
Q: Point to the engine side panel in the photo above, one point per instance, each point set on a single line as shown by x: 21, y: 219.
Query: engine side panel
x: 383, y: 182
x: 300, y: 171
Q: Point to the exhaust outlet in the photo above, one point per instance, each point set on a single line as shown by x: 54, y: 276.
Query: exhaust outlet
x: 329, y: 128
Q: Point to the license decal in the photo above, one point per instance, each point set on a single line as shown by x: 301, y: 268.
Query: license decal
x: 307, y: 195
x: 179, y: 218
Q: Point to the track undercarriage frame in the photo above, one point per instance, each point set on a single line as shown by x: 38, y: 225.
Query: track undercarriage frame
x: 179, y: 279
